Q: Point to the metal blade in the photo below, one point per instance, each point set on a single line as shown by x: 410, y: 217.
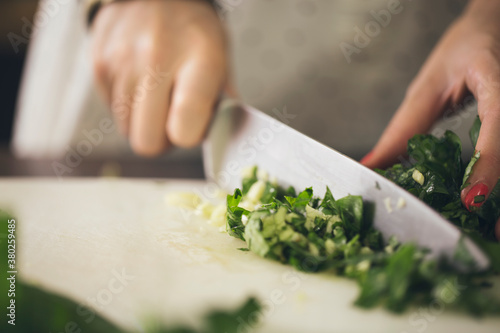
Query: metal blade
x: 241, y: 136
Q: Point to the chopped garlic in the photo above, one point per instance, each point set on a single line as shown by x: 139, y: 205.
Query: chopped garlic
x: 247, y: 172
x: 256, y: 191
x: 363, y: 266
x: 204, y: 209
x: 365, y: 250
x: 388, y: 207
x: 311, y: 215
x: 218, y: 216
x: 401, y: 203
x: 338, y: 231
x: 330, y: 246
x: 247, y: 205
x: 296, y: 237
x: 329, y: 226
x: 244, y: 219
x: 418, y: 177
x: 262, y: 175
x: 313, y: 249
x: 221, y: 194
x: 187, y: 200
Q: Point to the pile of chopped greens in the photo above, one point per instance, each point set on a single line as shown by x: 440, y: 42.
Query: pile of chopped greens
x: 445, y: 175
x: 337, y: 235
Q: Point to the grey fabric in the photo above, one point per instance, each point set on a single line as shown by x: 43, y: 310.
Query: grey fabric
x: 287, y: 54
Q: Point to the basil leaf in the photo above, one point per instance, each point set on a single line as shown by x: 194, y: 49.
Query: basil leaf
x: 474, y: 131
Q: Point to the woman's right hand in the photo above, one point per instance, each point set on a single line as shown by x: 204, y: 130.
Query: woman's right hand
x: 161, y: 66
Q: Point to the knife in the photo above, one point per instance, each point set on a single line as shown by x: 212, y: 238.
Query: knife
x: 241, y: 136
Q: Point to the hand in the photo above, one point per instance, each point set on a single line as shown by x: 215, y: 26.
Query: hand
x: 467, y: 59
x: 161, y: 66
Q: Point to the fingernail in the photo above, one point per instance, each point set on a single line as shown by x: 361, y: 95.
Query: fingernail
x: 476, y: 196
x: 366, y: 158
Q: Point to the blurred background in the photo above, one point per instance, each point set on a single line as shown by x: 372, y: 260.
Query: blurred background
x: 285, y: 54
x: 11, y: 65
x: 13, y: 52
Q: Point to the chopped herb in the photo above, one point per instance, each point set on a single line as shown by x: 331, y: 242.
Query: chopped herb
x: 479, y: 198
x: 468, y: 169
x: 474, y: 131
x: 337, y: 235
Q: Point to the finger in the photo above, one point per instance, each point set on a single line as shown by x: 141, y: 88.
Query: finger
x: 122, y: 101
x: 149, y: 113
x: 483, y: 81
x: 196, y: 91
x: 420, y: 108
x: 101, y: 33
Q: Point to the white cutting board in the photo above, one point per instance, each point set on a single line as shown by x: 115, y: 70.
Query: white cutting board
x: 77, y: 234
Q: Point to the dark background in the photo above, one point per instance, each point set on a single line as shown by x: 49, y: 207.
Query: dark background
x: 11, y: 63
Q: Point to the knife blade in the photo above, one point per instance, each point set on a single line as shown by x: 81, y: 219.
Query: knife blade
x: 241, y: 136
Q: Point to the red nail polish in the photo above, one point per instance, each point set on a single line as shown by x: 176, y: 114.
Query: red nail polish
x: 476, y: 196
x: 366, y: 158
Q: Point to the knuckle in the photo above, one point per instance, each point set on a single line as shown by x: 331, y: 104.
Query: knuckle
x: 100, y: 67
x: 151, y: 49
x: 121, y: 53
x: 489, y: 47
x: 489, y: 158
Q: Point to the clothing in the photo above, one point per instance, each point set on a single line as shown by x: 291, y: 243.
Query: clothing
x: 325, y: 61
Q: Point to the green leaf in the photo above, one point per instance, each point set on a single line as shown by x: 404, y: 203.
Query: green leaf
x: 468, y: 170
x: 232, y: 321
x: 474, y: 131
x: 304, y: 197
x: 254, y: 237
x: 399, y: 270
x: 328, y: 203
x: 441, y: 155
x: 490, y: 210
x: 234, y: 225
x: 351, y: 213
x: 373, y: 288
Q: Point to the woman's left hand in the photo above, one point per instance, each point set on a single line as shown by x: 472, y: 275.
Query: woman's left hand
x: 467, y: 59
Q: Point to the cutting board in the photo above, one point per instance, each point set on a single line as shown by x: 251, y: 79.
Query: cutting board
x: 116, y: 245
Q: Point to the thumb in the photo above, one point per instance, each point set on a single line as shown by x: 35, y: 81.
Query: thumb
x: 486, y: 172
